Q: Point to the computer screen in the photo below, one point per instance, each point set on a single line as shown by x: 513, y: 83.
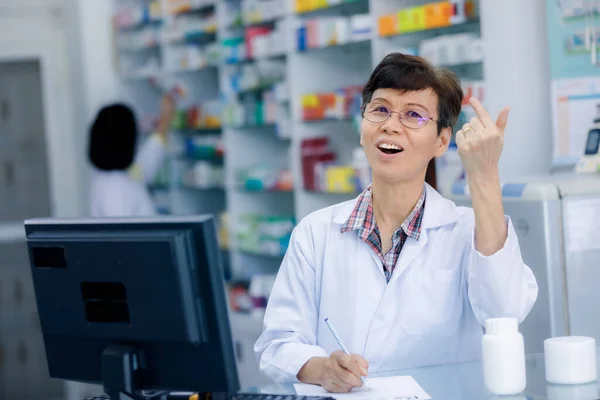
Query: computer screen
x: 133, y: 304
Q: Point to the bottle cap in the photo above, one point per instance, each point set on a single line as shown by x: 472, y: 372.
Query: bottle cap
x: 500, y: 326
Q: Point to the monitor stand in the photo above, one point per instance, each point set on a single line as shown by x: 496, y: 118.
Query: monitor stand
x: 120, y: 367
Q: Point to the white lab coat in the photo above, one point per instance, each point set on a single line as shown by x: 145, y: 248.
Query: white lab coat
x: 124, y: 193
x: 431, y: 312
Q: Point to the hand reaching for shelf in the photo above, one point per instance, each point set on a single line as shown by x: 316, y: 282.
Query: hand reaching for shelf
x: 167, y: 111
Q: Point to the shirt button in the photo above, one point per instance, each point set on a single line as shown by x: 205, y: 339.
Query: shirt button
x: 380, y: 317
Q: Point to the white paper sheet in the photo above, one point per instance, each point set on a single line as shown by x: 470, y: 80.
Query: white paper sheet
x: 582, y: 220
x: 394, y: 387
x: 574, y: 103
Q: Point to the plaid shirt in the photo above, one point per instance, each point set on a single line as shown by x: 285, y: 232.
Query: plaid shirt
x: 362, y: 220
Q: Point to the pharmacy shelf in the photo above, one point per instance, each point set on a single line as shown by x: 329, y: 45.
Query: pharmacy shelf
x: 140, y: 49
x: 192, y: 70
x: 199, y: 77
x: 158, y: 188
x: 288, y: 72
x: 138, y: 25
x: 209, y: 159
x: 259, y: 127
x: 260, y: 23
x: 259, y: 253
x: 250, y: 60
x: 352, y: 46
x: 343, y: 8
x: 205, y: 189
x: 250, y: 144
x: 193, y: 37
x: 270, y: 191
x: 192, y: 7
x: 257, y: 89
x: 467, y: 26
x: 200, y: 131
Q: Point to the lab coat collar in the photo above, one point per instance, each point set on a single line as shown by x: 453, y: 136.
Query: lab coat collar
x: 439, y: 211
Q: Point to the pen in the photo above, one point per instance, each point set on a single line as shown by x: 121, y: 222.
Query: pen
x: 338, y: 339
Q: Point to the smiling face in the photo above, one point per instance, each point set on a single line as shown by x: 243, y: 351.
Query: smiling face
x: 401, y: 152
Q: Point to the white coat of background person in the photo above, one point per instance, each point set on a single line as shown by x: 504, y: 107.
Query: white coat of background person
x: 406, y: 277
x: 119, y: 178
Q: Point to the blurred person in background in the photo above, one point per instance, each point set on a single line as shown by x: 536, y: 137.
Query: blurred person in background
x: 120, y: 175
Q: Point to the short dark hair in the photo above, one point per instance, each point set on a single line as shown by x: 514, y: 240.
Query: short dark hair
x: 411, y: 73
x: 113, y: 137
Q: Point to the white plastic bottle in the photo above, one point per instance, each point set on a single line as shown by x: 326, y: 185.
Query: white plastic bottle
x: 503, y: 357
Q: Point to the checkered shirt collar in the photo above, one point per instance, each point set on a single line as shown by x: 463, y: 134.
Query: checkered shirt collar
x: 362, y: 218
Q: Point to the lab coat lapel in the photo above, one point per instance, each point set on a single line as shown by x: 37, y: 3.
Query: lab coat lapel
x: 377, y: 261
x: 438, y: 212
x: 341, y: 217
x: 409, y: 251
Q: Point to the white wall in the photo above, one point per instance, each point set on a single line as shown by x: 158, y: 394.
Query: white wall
x: 78, y: 36
x: 74, y: 46
x: 92, y: 59
x: 97, y: 60
x: 40, y: 29
x: 517, y: 73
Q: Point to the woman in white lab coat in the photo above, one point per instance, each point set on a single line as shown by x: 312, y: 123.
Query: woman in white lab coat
x: 405, y: 276
x: 120, y: 175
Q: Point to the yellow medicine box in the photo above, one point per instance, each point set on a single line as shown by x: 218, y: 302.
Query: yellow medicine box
x: 310, y: 100
x: 302, y: 6
x: 405, y: 23
x: 418, y: 18
x: 340, y: 179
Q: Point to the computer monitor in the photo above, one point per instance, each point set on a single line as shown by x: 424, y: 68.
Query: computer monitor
x: 133, y: 304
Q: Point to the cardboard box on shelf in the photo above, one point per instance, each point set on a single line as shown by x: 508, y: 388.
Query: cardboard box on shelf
x: 387, y: 25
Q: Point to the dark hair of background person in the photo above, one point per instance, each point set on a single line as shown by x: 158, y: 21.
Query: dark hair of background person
x: 113, y: 137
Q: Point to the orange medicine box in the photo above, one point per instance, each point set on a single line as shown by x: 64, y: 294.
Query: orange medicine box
x: 471, y: 9
x: 388, y: 25
x: 437, y: 15
x: 327, y: 100
x: 314, y: 106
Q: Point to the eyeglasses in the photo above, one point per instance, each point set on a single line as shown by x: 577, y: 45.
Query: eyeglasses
x: 413, y: 119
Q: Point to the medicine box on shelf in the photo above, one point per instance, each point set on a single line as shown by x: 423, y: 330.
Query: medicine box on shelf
x: 424, y: 17
x: 341, y: 104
